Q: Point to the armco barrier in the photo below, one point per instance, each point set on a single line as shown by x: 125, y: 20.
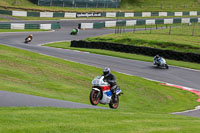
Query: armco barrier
x: 30, y: 26
x: 5, y: 26
x: 191, y: 57
x: 99, y: 14
x: 55, y: 26
x: 6, y: 12
x: 33, y: 14
x: 138, y: 22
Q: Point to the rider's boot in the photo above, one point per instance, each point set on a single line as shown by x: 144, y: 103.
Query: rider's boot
x: 113, y: 89
x: 115, y: 98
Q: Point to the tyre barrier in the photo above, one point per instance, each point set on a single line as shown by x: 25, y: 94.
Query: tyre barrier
x: 106, y: 24
x: 30, y: 26
x: 97, y: 14
x: 169, y: 54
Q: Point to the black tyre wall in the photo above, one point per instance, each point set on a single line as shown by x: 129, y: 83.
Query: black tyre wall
x: 169, y: 54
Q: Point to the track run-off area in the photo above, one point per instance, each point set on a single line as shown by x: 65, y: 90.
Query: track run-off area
x: 177, y: 76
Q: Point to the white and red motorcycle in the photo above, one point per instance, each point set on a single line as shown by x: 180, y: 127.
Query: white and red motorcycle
x: 101, y: 93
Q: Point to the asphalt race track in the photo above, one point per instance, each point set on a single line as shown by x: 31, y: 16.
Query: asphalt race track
x: 174, y: 75
x: 36, y: 101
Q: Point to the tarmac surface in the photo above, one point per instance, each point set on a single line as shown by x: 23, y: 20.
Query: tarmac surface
x: 9, y: 99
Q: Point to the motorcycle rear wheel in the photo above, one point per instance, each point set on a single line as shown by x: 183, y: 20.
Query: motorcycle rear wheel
x: 115, y: 104
x: 94, y: 98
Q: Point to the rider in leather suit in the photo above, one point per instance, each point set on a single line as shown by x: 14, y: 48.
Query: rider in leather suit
x: 110, y: 78
x: 156, y: 59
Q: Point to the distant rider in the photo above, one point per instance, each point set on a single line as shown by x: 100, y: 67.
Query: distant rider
x: 110, y: 78
x: 29, y: 38
x: 156, y: 59
x: 75, y: 31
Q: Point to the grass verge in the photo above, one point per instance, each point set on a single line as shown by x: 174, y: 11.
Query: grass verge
x: 66, y: 45
x: 159, y: 26
x: 144, y: 107
x: 46, y: 76
x: 3, y: 19
x: 55, y: 120
x: 182, y: 38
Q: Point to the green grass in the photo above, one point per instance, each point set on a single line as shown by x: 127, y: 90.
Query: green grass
x: 16, y: 2
x: 181, y: 38
x: 66, y: 45
x: 46, y: 76
x: 55, y: 120
x: 160, y: 5
x: 3, y: 19
x: 144, y: 107
x: 18, y: 30
x: 126, y: 5
x: 161, y: 26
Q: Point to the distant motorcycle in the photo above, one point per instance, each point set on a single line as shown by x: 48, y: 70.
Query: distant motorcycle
x: 28, y: 39
x: 160, y: 62
x: 102, y: 94
x: 74, y: 32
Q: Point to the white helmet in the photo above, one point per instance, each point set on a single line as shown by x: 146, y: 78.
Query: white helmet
x: 106, y: 71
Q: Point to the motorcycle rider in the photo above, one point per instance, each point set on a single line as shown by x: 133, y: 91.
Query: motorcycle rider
x: 75, y: 31
x: 110, y: 78
x: 156, y: 58
x: 29, y: 38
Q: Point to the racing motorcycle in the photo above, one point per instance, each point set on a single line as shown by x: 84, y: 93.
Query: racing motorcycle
x: 161, y: 62
x: 101, y: 93
x: 28, y: 39
x: 74, y: 32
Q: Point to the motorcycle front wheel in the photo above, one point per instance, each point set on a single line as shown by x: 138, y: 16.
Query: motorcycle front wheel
x: 166, y: 66
x: 73, y: 33
x: 114, y: 104
x: 94, y: 97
